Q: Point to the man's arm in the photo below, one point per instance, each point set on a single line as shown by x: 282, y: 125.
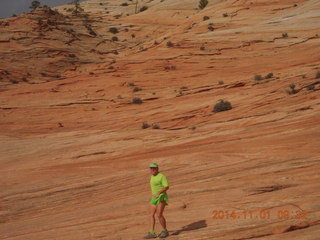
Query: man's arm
x: 163, y: 190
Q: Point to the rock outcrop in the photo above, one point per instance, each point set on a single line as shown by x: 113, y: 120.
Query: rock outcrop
x: 75, y: 149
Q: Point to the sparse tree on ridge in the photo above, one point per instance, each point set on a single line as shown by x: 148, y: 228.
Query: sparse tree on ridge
x: 76, y: 6
x: 34, y: 5
x: 136, y: 10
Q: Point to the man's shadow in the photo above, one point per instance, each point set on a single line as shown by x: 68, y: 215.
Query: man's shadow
x: 190, y: 227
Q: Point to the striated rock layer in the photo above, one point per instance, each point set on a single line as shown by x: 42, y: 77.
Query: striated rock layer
x: 74, y: 156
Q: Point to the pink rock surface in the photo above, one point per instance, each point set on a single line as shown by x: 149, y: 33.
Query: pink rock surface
x: 74, y: 158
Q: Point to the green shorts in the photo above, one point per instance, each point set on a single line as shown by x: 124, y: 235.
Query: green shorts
x: 162, y: 197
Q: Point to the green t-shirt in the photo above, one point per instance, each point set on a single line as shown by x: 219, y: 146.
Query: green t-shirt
x: 158, y: 182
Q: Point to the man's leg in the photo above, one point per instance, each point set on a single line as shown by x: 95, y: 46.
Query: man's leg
x: 151, y: 233
x: 160, y: 210
x: 152, y: 211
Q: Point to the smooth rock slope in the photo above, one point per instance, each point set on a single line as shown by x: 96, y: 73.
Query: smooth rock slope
x: 74, y: 156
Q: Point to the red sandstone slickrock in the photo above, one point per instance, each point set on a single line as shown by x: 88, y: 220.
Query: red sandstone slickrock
x: 74, y: 156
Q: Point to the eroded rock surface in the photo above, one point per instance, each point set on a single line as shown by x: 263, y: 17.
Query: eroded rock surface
x: 74, y: 155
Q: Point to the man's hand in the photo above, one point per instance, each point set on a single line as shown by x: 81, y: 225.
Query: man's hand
x: 156, y: 195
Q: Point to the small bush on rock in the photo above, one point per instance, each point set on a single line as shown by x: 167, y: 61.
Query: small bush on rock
x: 222, y: 106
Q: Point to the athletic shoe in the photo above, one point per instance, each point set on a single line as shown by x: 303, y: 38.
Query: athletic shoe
x: 164, y: 234
x: 150, y: 235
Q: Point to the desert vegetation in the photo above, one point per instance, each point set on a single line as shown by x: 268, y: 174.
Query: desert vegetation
x: 292, y: 90
x: 136, y: 89
x: 210, y: 28
x: 205, y: 18
x: 203, y: 4
x: 114, y: 39
x: 221, y: 106
x: 155, y: 126
x: 170, y: 44
x: 113, y: 30
x: 144, y: 8
x: 137, y: 100
x: 34, y: 5
x: 71, y: 108
x: 259, y: 77
x: 145, y: 125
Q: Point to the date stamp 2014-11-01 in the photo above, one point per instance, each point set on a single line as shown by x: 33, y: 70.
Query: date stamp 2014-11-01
x: 259, y: 214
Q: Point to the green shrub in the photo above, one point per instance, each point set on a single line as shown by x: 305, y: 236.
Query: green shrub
x: 222, y: 106
x: 34, y: 5
x: 136, y: 89
x: 292, y: 87
x: 284, y: 35
x: 145, y: 125
x: 225, y: 15
x: 113, y: 30
x: 205, y: 18
x: 318, y: 75
x: 14, y: 81
x: 144, y: 8
x: 203, y: 4
x: 77, y: 8
x: 170, y: 44
x: 89, y: 28
x: 70, y: 31
x: 269, y: 75
x: 93, y: 33
x: 136, y: 100
x: 115, y: 39
x: 115, y: 52
x: 155, y: 126
x: 258, y: 77
x: 173, y: 67
x: 311, y: 87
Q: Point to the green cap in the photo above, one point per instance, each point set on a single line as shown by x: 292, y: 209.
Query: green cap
x: 153, y: 165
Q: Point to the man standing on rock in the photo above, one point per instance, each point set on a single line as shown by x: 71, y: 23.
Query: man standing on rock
x: 159, y: 186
